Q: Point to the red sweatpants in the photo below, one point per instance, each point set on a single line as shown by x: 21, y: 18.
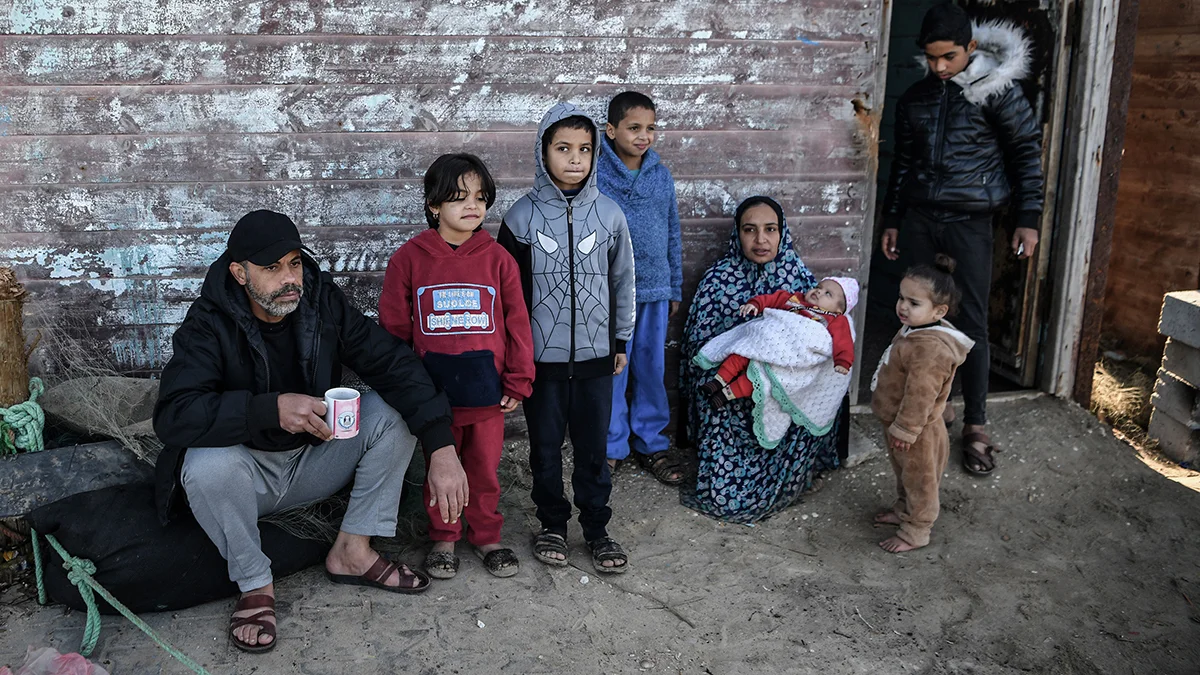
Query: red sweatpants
x: 733, y: 371
x: 480, y: 443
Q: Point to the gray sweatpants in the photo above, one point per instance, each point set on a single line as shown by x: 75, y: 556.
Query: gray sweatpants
x: 230, y: 488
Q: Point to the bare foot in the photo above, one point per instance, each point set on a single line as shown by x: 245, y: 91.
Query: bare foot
x: 896, y: 545
x: 352, y: 555
x: 888, y: 517
x: 488, y: 548
x: 443, y: 547
x: 249, y: 632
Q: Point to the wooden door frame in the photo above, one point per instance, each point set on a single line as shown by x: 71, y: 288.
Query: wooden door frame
x: 1083, y: 71
x: 868, y: 243
x: 1086, y: 54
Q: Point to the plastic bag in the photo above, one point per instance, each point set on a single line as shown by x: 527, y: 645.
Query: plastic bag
x: 47, y: 661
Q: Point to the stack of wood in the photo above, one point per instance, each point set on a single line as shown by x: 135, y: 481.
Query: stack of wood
x: 14, y: 359
x: 1175, y: 422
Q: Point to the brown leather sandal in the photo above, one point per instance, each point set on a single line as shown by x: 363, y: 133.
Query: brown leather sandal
x: 979, y: 462
x: 377, y: 577
x: 661, y: 466
x: 256, y: 601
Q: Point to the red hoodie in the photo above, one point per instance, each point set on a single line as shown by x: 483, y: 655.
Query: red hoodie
x: 463, y: 311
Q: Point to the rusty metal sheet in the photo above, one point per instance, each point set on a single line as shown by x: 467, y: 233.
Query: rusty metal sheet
x: 133, y: 135
x: 115, y: 208
x: 436, y: 60
x: 211, y: 109
x: 97, y: 257
x: 814, y: 20
x: 822, y: 154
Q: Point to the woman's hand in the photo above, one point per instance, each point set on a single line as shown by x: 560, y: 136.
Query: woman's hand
x: 897, y: 444
x: 841, y: 370
x: 747, y: 310
x: 508, y: 404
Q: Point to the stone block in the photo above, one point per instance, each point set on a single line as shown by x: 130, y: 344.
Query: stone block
x: 1176, y: 440
x: 1176, y: 398
x: 1181, y: 317
x: 1182, y: 361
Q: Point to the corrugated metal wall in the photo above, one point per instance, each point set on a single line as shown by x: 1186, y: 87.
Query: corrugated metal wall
x: 134, y: 133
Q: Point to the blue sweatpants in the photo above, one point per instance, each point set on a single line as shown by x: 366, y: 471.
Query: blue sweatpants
x: 647, y: 415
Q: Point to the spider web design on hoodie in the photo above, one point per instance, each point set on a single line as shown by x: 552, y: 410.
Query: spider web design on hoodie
x: 552, y: 267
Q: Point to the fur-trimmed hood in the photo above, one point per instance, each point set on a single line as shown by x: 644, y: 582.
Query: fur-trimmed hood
x: 1002, y: 56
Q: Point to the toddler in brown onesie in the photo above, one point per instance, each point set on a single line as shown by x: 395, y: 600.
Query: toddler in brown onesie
x: 910, y: 388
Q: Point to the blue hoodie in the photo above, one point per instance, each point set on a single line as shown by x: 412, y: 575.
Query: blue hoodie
x: 652, y: 211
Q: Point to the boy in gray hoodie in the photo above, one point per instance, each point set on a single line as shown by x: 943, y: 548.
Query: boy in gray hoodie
x: 576, y: 260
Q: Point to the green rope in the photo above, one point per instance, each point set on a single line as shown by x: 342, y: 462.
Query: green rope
x: 26, y: 420
x: 79, y: 572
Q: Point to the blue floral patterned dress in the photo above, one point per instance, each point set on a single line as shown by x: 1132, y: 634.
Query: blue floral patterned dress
x: 738, y: 480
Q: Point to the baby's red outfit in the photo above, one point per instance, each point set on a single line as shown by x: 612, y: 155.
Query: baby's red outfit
x: 463, y: 311
x: 733, y: 368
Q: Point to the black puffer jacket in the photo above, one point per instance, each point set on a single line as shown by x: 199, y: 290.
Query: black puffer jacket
x: 214, y: 391
x: 970, y: 144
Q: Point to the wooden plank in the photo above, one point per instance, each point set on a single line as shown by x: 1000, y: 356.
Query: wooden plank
x: 1171, y: 43
x: 817, y: 20
x: 1168, y: 15
x: 830, y: 153
x: 140, y: 207
x: 98, y: 257
x: 1100, y: 257
x: 462, y: 107
x: 1087, y: 111
x: 1172, y: 85
x: 440, y: 59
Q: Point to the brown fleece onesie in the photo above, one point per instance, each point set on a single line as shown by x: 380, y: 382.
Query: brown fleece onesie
x: 910, y: 391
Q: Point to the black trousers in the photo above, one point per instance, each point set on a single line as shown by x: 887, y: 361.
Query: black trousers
x: 584, y: 406
x: 969, y: 241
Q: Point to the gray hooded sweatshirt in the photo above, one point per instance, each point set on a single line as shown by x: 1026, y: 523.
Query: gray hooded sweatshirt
x: 576, y: 264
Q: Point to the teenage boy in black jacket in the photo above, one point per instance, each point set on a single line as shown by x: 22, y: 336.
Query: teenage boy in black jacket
x: 967, y: 144
x: 240, y: 409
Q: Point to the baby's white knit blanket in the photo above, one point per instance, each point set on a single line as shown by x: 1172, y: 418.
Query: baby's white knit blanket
x: 791, y: 366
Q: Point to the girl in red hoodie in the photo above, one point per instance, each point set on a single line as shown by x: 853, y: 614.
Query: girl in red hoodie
x: 455, y: 295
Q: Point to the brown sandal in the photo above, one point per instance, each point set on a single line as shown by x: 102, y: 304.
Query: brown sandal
x: 256, y: 601
x: 501, y: 562
x: 661, y: 466
x: 978, y: 462
x: 377, y: 577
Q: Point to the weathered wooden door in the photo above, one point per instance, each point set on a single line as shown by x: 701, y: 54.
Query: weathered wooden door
x: 1018, y: 302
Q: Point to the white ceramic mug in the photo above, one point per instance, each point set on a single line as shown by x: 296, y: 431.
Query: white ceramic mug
x: 341, y: 412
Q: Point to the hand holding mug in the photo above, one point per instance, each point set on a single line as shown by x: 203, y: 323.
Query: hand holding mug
x: 301, y: 414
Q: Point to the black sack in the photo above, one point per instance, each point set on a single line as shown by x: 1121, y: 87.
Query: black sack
x: 148, y: 567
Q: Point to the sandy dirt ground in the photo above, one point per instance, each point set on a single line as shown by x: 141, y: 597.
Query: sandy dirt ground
x: 1076, y: 557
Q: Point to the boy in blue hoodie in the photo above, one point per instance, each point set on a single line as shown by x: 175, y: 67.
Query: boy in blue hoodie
x: 572, y: 247
x: 631, y: 174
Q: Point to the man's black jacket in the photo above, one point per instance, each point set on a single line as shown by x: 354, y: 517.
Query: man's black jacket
x: 957, y: 155
x: 215, y: 393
